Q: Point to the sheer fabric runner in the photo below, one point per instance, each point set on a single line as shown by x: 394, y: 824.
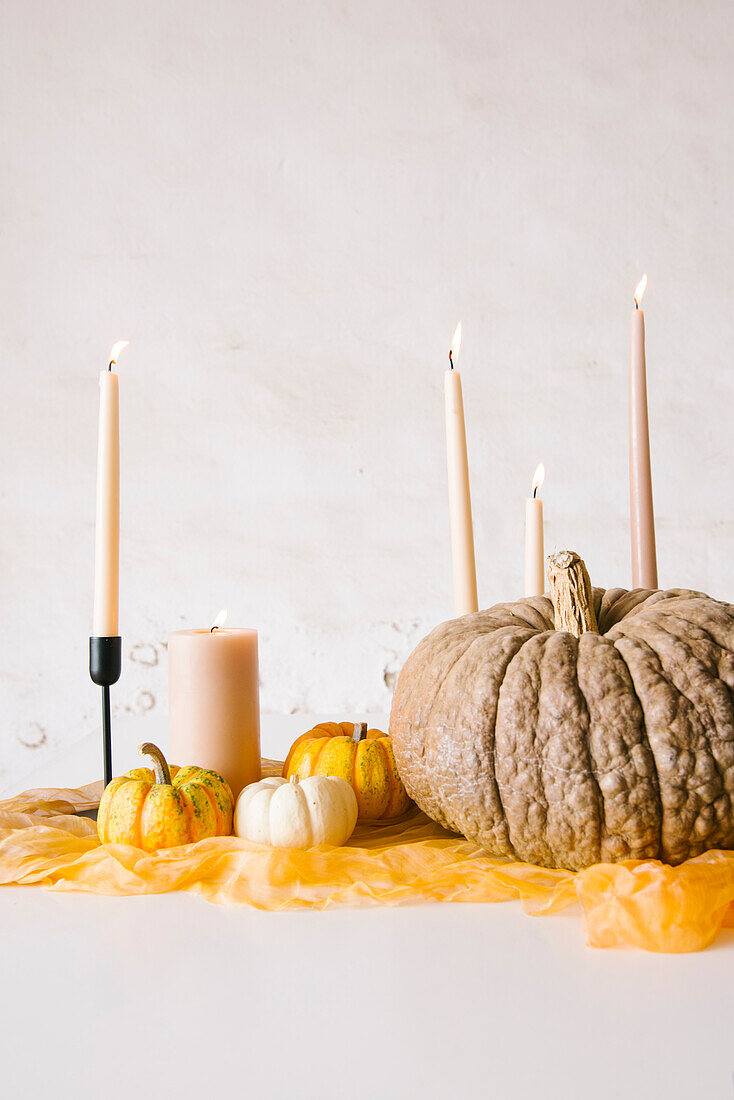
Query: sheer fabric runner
x: 648, y: 905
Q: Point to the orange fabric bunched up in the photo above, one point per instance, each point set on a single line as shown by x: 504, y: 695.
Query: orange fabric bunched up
x: 646, y: 904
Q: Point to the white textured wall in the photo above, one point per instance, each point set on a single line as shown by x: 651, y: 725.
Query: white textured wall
x: 286, y: 207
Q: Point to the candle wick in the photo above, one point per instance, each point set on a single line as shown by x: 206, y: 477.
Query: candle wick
x: 535, y: 492
x: 451, y: 359
x: 637, y: 304
x: 215, y: 627
x: 111, y: 364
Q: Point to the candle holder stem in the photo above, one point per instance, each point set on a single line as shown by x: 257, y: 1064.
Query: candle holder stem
x: 105, y: 666
x: 106, y: 736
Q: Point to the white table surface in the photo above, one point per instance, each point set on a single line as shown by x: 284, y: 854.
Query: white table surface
x: 168, y: 996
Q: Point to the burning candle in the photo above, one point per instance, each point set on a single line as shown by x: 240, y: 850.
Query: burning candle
x: 462, y: 532
x: 642, y: 517
x: 105, y: 619
x: 534, y: 555
x: 213, y: 701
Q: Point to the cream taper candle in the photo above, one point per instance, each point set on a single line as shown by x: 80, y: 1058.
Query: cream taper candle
x: 105, y: 618
x: 534, y: 553
x: 462, y: 532
x: 214, y: 701
x: 642, y: 516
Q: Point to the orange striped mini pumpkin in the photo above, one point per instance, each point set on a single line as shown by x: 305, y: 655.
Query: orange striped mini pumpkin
x: 165, y: 807
x: 363, y: 757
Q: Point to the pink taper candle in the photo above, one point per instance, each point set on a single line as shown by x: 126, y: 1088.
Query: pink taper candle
x: 642, y: 517
x: 105, y: 619
x: 462, y: 530
x: 534, y: 554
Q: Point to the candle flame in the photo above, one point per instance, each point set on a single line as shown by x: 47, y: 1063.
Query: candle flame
x: 220, y: 620
x: 640, y: 290
x: 538, y: 478
x: 116, y: 349
x: 455, y: 345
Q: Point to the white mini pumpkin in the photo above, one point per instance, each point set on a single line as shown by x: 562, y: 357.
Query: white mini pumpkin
x: 297, y: 813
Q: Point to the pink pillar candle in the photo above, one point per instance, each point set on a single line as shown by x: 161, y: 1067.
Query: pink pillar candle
x: 214, y: 702
x: 642, y: 517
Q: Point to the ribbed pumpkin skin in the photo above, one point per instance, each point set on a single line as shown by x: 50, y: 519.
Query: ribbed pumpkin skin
x: 368, y: 766
x: 321, y: 809
x: 134, y: 809
x: 565, y: 751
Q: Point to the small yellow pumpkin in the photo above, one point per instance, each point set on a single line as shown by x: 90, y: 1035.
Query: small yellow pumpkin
x: 363, y: 757
x: 162, y: 810
x: 295, y: 814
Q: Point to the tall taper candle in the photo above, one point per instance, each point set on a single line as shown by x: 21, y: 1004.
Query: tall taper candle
x: 462, y: 532
x: 105, y: 618
x: 642, y: 516
x: 534, y: 553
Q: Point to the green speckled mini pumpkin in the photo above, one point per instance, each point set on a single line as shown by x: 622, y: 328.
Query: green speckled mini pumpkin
x: 175, y: 806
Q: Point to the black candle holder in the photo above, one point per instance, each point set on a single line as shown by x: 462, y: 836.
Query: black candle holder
x: 105, y: 666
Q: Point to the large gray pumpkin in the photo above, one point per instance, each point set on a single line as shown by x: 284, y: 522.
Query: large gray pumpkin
x: 566, y: 751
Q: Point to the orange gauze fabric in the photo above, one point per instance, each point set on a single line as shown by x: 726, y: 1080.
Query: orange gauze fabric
x: 645, y: 904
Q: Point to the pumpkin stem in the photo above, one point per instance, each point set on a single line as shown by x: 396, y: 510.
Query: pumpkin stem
x: 295, y: 780
x: 571, y: 594
x: 360, y: 731
x: 160, y: 767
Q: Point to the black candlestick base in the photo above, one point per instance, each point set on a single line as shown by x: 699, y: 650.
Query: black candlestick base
x: 105, y: 666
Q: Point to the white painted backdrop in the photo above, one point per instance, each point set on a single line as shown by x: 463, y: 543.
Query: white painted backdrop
x: 286, y: 207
